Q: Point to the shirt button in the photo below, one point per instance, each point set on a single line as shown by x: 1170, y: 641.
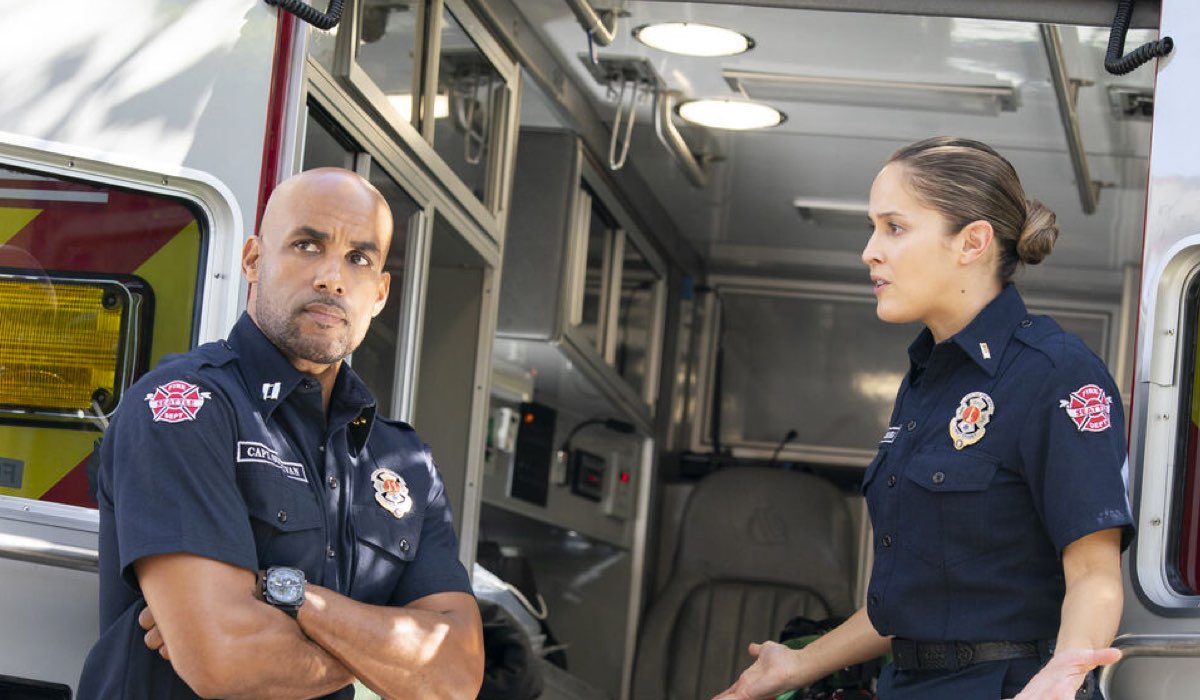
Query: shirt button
x: 282, y: 516
x: 405, y: 546
x: 1026, y: 323
x: 939, y: 477
x: 912, y: 425
x: 887, y: 540
x: 874, y: 599
x: 332, y: 481
x: 320, y: 448
x: 891, y: 481
x: 330, y: 553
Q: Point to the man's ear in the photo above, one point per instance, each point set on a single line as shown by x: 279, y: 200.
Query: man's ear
x: 976, y: 239
x: 251, y: 254
x: 381, y: 297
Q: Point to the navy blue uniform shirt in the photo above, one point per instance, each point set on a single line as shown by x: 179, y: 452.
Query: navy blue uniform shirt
x: 226, y: 452
x: 1006, y: 444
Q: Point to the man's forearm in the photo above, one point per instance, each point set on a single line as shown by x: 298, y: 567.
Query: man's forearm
x: 397, y: 652
x: 272, y: 662
x: 222, y: 641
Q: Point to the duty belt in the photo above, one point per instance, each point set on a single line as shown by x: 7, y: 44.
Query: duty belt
x: 909, y: 655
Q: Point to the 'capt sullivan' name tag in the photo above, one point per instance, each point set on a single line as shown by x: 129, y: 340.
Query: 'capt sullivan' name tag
x: 258, y: 452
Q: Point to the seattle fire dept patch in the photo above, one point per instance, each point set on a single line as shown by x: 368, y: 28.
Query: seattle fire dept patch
x: 967, y: 427
x: 391, y: 492
x: 1089, y: 408
x: 176, y: 402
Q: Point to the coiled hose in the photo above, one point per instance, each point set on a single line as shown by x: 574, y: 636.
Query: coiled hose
x: 1117, y: 64
x: 321, y: 20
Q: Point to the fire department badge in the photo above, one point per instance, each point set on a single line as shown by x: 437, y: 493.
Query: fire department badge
x: 1089, y: 408
x: 968, y: 424
x: 176, y: 402
x: 391, y: 492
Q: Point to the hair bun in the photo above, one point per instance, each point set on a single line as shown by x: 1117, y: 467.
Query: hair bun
x: 1039, y: 234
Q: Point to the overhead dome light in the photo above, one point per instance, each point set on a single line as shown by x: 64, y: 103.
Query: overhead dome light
x: 403, y: 102
x: 692, y: 39
x: 728, y: 113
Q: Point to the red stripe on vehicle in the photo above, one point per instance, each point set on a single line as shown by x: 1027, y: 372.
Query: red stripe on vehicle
x: 72, y: 489
x: 114, y: 237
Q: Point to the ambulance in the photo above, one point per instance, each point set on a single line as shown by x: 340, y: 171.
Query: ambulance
x: 628, y: 308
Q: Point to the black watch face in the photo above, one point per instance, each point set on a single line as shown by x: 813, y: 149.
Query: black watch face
x: 285, y: 586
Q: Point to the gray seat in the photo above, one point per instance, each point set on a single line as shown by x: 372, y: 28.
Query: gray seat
x: 757, y: 547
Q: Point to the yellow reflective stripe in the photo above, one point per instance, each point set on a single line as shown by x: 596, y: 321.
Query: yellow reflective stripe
x: 171, y: 273
x: 13, y: 219
x: 48, y: 455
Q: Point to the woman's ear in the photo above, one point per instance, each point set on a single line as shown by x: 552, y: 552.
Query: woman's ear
x: 976, y: 239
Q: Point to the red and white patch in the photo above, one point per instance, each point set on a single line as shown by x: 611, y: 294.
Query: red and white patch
x: 1089, y: 408
x: 176, y: 401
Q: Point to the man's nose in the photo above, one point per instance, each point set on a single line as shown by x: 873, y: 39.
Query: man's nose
x: 328, y: 277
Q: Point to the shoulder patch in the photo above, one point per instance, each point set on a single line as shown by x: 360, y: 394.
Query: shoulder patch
x: 176, y: 401
x: 1089, y: 407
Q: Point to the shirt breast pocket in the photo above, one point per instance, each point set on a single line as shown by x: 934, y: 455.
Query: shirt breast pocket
x: 951, y: 517
x: 386, y: 546
x: 285, y: 518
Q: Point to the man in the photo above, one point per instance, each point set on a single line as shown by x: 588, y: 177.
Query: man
x: 258, y: 462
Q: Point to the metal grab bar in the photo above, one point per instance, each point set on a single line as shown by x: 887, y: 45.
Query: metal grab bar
x: 38, y: 551
x: 670, y: 137
x: 601, y: 25
x: 1065, y: 92
x: 1154, y: 645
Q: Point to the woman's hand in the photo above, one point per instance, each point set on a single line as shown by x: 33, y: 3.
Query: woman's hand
x: 1065, y: 672
x: 767, y: 677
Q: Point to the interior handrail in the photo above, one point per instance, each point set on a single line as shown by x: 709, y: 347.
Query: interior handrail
x: 39, y: 551
x: 1152, y: 645
x: 601, y: 25
x: 1066, y: 97
x: 671, y: 138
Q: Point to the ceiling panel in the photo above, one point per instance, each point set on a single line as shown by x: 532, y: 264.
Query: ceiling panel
x: 833, y: 151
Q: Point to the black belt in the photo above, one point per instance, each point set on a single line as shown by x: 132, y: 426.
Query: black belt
x: 908, y: 655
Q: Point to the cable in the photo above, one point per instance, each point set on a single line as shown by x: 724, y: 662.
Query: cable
x: 1117, y: 64
x: 321, y: 20
x: 613, y: 424
x: 791, y: 435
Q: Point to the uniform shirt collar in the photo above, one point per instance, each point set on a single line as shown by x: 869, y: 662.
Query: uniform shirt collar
x: 985, y: 337
x: 270, y: 378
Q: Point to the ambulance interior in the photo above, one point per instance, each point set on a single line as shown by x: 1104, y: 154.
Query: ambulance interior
x: 649, y: 363
x: 772, y: 358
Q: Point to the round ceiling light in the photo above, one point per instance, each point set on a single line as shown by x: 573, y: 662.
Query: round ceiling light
x: 691, y: 39
x: 727, y: 113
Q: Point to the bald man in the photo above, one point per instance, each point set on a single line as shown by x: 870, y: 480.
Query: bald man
x: 263, y: 532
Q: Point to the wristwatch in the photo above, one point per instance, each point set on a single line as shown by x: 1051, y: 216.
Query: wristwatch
x: 283, y: 587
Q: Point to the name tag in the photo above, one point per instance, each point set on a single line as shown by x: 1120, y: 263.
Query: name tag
x: 258, y: 452
x: 890, y: 436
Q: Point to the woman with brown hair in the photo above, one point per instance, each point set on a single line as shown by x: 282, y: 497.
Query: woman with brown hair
x: 998, y: 494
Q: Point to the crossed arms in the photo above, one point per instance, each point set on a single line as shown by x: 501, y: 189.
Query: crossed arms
x: 204, y: 617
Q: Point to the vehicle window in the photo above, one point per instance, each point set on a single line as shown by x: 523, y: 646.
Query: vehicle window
x: 97, y: 283
x: 1183, y: 566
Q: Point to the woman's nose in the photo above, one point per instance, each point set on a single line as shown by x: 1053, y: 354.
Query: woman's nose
x: 870, y: 253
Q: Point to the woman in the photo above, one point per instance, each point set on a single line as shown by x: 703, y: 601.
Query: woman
x: 997, y: 496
